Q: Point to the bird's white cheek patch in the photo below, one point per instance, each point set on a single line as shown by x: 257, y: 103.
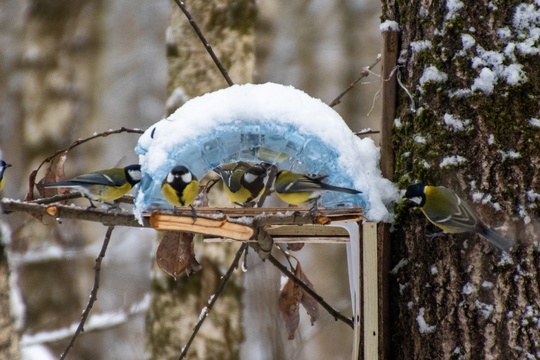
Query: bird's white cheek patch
x: 250, y: 177
x: 170, y: 178
x: 135, y: 175
x: 186, y: 178
x: 417, y: 200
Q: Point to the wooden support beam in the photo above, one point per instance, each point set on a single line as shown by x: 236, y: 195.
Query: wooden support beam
x: 370, y: 296
x: 389, y: 100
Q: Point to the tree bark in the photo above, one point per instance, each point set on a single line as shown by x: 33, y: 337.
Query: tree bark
x: 474, y: 129
x: 9, y: 334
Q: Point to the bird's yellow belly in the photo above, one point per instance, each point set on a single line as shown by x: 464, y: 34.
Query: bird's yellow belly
x: 295, y: 198
x: 111, y: 193
x: 241, y: 196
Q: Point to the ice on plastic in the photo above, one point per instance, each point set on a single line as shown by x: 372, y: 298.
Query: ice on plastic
x: 273, y: 123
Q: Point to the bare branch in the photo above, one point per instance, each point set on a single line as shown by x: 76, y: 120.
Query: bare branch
x: 93, y: 293
x: 363, y: 74
x: 32, y: 178
x: 213, y: 299
x: 366, y: 132
x: 104, y: 216
x: 205, y: 42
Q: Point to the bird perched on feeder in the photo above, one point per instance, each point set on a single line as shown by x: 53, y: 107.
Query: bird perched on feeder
x: 243, y: 186
x: 3, y: 167
x: 443, y: 208
x: 180, y: 187
x: 296, y: 189
x: 104, y: 185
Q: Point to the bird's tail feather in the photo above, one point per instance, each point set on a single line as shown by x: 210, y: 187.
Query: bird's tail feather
x: 496, y: 239
x: 339, y: 189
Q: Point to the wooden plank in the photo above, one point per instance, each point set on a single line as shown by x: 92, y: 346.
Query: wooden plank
x: 306, y: 230
x: 240, y: 212
x: 300, y: 239
x: 389, y: 99
x: 370, y: 292
x: 222, y: 228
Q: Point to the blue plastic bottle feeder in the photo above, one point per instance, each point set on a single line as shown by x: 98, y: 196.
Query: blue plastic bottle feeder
x: 258, y: 123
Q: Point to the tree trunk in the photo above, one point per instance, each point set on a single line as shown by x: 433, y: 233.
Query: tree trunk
x: 70, y: 69
x: 9, y: 334
x: 176, y: 304
x: 471, y: 69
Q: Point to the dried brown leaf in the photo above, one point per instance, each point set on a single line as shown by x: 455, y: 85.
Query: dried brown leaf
x: 307, y: 301
x: 54, y: 173
x: 289, y: 306
x: 295, y: 246
x: 175, y: 254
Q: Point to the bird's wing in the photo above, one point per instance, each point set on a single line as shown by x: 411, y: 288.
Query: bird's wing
x: 99, y: 179
x: 303, y: 184
x: 462, y: 217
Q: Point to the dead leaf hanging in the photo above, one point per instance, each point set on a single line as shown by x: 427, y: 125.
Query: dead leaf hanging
x: 175, y: 254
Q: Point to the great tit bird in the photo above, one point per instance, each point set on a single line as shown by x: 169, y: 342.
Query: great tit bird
x: 243, y: 186
x: 445, y: 209
x: 105, y: 185
x: 3, y: 167
x: 180, y: 187
x: 297, y: 189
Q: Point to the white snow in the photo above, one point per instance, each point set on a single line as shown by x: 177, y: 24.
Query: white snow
x: 534, y: 122
x: 455, y: 124
x: 432, y: 75
x: 423, y: 326
x: 485, y: 309
x: 272, y: 105
x: 468, y: 289
x: 487, y: 285
x: 37, y: 352
x: 419, y: 139
x: 532, y: 196
x: 421, y: 45
x: 434, y: 270
x: 467, y: 41
x: 452, y: 161
x: 504, y: 33
x: 510, y: 154
x: 485, y: 82
x: 453, y: 7
x: 389, y: 25
x: 94, y: 322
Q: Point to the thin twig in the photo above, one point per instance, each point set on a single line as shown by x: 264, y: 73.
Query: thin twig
x: 57, y: 198
x: 93, y: 293
x: 205, y: 42
x: 366, y: 132
x: 32, y: 178
x: 213, y: 299
x: 363, y: 74
x: 271, y: 176
x: 333, y: 312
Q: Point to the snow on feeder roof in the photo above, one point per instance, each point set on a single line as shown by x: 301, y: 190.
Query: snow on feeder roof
x: 272, y: 123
